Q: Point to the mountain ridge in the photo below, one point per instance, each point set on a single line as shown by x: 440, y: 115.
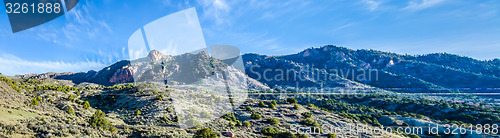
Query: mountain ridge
x: 420, y: 72
x: 424, y: 72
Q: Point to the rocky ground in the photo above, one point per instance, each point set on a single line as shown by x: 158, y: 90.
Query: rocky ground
x: 29, y: 111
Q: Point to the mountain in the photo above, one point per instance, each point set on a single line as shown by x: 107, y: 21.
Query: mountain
x: 326, y: 67
x: 181, y: 69
x: 205, y: 93
x: 339, y: 66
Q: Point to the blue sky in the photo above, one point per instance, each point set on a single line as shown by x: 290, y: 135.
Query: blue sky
x: 95, y: 33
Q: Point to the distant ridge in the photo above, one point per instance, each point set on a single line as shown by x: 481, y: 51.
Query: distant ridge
x: 440, y: 72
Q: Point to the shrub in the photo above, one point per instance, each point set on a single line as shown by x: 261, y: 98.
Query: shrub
x: 169, y: 109
x: 137, y: 112
x: 71, y: 98
x: 255, y: 115
x: 230, y: 117
x: 231, y: 124
x: 274, y: 102
x: 248, y: 108
x: 78, y: 101
x: 34, y: 101
x: 414, y: 136
x: 269, y: 131
x: 86, y: 105
x: 296, y: 107
x: 291, y: 100
x: 70, y: 110
x: 261, y: 104
x: 302, y: 136
x: 273, y: 121
x: 247, y: 124
x: 376, y: 123
x: 205, y: 133
x: 165, y: 119
x: 331, y: 135
x: 99, y: 120
x: 272, y: 106
x: 307, y: 114
x: 309, y: 122
x: 176, y: 119
x: 238, y: 123
x: 39, y: 98
x: 311, y: 105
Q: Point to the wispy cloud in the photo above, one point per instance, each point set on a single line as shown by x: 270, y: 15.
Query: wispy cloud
x: 342, y: 27
x: 12, y: 65
x: 416, y: 5
x: 372, y: 5
x: 215, y: 9
x: 82, y: 24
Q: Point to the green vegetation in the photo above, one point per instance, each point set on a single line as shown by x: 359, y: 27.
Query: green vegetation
x: 230, y: 117
x: 248, y: 108
x: 137, y: 112
x: 296, y: 107
x: 255, y: 115
x: 205, y: 133
x: 70, y: 110
x: 307, y: 114
x: 71, y: 98
x: 272, y: 106
x: 34, y: 101
x: 261, y: 104
x: 64, y: 89
x: 11, y: 83
x: 86, y: 105
x: 273, y: 121
x: 311, y: 105
x: 276, y: 133
x: 99, y: 120
x: 331, y: 135
x: 413, y: 136
x: 270, y: 131
x: 274, y: 102
x: 176, y: 119
x: 165, y: 119
x: 247, y: 124
x: 374, y: 106
x: 309, y: 122
x: 291, y: 100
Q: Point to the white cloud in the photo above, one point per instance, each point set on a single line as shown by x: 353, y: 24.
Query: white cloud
x: 422, y: 4
x: 371, y: 4
x: 12, y: 65
x: 216, y: 9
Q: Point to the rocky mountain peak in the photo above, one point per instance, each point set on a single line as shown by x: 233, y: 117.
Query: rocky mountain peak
x: 155, y: 55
